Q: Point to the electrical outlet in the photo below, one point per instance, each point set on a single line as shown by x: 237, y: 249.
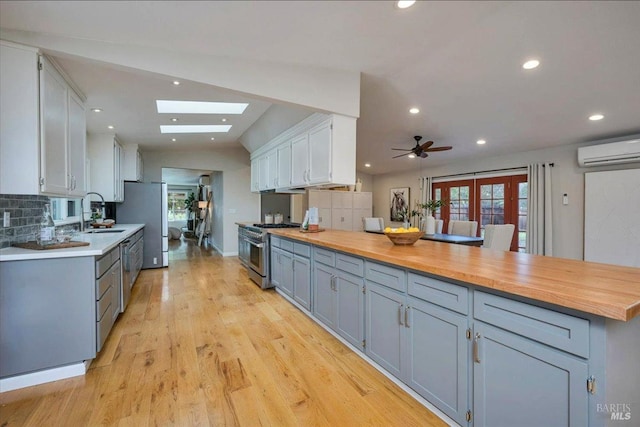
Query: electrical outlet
x: 6, y: 221
x: 155, y: 260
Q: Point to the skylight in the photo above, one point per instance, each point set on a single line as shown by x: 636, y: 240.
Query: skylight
x: 194, y: 128
x: 198, y: 107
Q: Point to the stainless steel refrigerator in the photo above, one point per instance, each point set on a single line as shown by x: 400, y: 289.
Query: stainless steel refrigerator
x: 146, y: 203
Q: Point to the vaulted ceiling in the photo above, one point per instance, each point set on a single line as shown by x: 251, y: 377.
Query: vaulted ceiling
x: 460, y: 63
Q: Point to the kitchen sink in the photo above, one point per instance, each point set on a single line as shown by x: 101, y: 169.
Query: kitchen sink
x: 103, y: 230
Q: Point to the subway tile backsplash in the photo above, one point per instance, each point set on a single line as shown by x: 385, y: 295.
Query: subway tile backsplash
x: 26, y: 211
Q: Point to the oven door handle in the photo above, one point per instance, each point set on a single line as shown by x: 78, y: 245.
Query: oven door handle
x: 257, y: 245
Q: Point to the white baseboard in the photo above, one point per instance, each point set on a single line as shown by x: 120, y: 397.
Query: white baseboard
x: 41, y: 377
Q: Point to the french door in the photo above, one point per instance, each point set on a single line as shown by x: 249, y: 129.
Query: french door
x: 497, y: 200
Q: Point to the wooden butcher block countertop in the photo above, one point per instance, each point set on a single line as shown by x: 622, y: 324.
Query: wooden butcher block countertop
x: 601, y: 289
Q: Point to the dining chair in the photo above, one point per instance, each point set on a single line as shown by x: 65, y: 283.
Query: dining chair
x: 463, y: 228
x: 439, y: 225
x: 498, y: 236
x: 373, y: 224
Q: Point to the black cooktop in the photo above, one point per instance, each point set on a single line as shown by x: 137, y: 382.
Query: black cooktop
x: 284, y: 225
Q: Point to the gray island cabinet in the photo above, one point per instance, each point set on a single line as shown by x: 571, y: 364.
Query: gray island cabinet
x: 482, y: 357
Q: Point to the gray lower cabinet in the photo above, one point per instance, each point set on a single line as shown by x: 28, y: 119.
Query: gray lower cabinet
x: 108, y: 275
x: 291, y: 270
x: 286, y: 278
x: 519, y: 382
x: 324, y: 295
x: 276, y: 267
x: 339, y: 295
x: 302, y: 281
x: 385, y: 331
x: 47, y: 314
x: 438, y: 357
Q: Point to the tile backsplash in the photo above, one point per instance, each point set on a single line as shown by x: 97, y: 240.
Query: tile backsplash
x: 26, y: 211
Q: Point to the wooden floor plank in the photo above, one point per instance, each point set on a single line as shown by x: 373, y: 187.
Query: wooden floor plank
x: 202, y: 345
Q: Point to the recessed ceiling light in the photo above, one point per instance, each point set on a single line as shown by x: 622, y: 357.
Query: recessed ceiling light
x: 596, y: 117
x: 531, y: 64
x: 198, y: 107
x: 110, y: 127
x: 403, y: 4
x: 481, y: 142
x: 194, y: 128
x: 173, y: 139
x: 97, y: 110
x: 224, y: 120
x: 212, y: 139
x: 176, y: 83
x: 414, y: 110
x: 367, y: 165
x: 173, y: 119
x: 411, y: 156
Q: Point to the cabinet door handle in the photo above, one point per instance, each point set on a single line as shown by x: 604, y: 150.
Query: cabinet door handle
x: 406, y: 317
x: 476, y: 356
x: 400, y: 314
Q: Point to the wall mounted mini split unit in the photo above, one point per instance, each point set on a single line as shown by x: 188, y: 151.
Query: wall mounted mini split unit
x: 609, y: 154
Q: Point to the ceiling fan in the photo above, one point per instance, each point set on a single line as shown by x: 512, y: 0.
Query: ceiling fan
x: 421, y: 150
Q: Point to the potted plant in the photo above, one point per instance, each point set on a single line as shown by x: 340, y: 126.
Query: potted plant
x: 190, y: 205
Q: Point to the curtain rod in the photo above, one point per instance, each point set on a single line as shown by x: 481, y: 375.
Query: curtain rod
x: 487, y: 171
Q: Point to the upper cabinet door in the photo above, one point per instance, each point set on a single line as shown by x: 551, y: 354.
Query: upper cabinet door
x: 77, y: 146
x: 300, y: 160
x: 320, y: 154
x: 284, y: 165
x: 53, y: 125
x: 255, y: 175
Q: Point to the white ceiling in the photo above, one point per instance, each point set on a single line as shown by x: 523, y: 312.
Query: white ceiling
x: 459, y: 62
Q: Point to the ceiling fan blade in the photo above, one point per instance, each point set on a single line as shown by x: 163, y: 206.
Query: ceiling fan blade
x: 401, y: 155
x: 402, y: 149
x: 439, y: 149
x: 426, y: 145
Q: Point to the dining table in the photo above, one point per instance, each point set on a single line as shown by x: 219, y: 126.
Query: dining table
x: 447, y: 238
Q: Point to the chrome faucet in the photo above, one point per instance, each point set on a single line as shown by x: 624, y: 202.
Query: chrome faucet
x: 82, y: 208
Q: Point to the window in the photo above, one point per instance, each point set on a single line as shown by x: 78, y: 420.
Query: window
x: 498, y: 200
x: 64, y: 210
x: 176, y: 205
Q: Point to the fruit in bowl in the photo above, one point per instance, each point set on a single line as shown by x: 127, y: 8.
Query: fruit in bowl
x: 403, y: 236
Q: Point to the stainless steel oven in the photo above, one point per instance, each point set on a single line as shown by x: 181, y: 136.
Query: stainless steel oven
x: 253, y: 251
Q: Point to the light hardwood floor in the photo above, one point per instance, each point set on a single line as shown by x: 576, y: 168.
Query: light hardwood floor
x: 200, y: 344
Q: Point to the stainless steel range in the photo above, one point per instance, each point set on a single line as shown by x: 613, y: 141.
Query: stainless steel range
x: 253, y: 250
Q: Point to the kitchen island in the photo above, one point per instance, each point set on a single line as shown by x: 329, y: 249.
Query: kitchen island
x: 499, y: 338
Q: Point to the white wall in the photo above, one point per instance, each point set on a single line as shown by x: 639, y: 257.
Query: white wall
x: 238, y: 204
x: 567, y: 176
x: 272, y: 123
x: 217, y: 215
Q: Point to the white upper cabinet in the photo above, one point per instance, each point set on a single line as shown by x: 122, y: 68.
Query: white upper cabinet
x: 132, y: 168
x: 319, y: 151
x: 320, y: 154
x: 299, y: 160
x: 255, y: 175
x: 263, y: 165
x: 43, y: 127
x: 284, y: 165
x: 107, y: 157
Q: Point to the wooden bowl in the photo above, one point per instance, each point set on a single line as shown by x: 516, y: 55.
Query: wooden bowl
x: 404, y: 238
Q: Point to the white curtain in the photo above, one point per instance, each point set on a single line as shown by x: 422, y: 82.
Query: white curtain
x: 425, y: 185
x: 539, y: 214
